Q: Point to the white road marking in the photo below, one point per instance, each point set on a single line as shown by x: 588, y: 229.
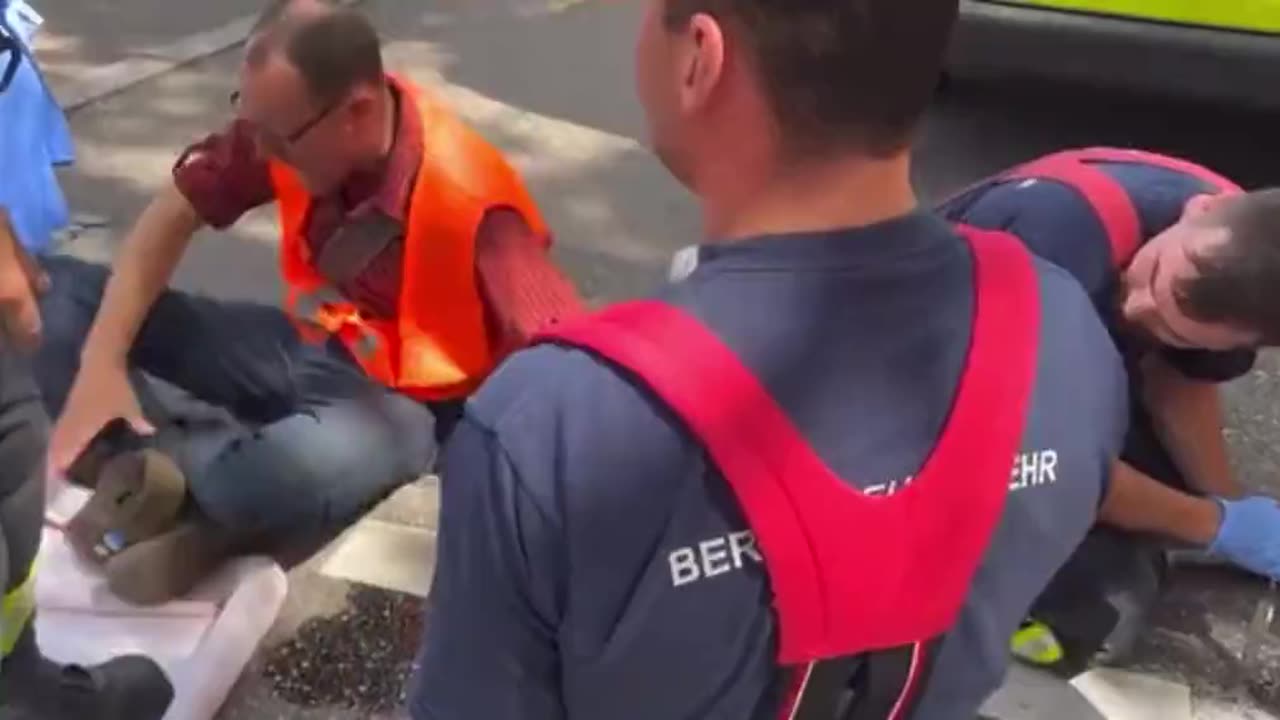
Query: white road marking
x: 1100, y: 694
x: 389, y: 556
x: 1121, y: 695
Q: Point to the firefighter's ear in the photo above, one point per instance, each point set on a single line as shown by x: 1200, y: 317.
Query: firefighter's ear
x: 704, y: 61
x: 1200, y: 205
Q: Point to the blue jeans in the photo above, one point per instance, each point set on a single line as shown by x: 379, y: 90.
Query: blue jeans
x: 317, y: 443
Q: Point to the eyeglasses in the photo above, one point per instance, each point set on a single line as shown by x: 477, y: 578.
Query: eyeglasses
x: 281, y: 143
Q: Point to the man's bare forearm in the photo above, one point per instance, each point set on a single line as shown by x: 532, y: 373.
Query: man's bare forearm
x: 1188, y: 417
x: 1140, y: 503
x: 141, y: 271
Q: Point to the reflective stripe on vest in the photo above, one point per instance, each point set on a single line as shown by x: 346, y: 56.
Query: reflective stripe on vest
x: 16, y: 610
x: 1109, y: 200
x: 832, y: 598
x: 314, y: 306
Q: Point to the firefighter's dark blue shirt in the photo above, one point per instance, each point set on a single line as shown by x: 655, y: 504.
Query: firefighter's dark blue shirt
x: 1058, y: 224
x: 593, y: 565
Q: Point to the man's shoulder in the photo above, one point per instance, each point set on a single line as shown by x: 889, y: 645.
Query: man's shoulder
x: 541, y: 381
x: 1072, y: 326
x: 553, y: 380
x: 565, y: 416
x: 1158, y: 194
x: 1060, y: 289
x: 1053, y: 221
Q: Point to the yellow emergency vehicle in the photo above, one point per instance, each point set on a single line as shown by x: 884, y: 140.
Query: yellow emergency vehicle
x: 1215, y: 50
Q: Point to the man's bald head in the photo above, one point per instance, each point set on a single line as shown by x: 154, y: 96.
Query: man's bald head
x: 278, y: 9
x: 313, y: 91
x: 332, y: 48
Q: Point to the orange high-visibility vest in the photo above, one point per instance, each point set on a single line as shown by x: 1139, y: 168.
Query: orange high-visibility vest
x: 437, y: 347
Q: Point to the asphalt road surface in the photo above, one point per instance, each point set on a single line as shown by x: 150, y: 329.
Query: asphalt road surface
x: 551, y: 84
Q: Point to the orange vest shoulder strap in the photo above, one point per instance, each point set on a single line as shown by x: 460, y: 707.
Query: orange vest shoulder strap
x: 454, y: 155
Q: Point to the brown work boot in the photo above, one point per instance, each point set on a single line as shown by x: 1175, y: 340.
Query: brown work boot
x: 88, y: 467
x: 116, y: 439
x: 169, y: 565
x: 139, y: 495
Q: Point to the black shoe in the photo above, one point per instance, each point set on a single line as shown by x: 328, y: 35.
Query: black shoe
x: 126, y: 688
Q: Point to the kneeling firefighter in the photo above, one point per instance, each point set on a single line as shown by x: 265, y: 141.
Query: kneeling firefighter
x: 31, y: 686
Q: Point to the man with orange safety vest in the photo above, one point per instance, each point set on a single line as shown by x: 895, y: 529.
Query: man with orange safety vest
x: 825, y: 473
x: 401, y: 232
x: 33, y: 687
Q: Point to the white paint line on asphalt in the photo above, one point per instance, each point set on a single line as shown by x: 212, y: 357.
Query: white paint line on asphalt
x: 385, y: 555
x: 1121, y: 695
x: 109, y: 79
x: 1033, y: 694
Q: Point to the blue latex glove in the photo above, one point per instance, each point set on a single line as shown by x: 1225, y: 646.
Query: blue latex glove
x: 1250, y: 534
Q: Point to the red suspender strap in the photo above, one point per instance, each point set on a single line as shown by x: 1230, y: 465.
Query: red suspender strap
x: 833, y: 593
x: 1186, y: 167
x: 1108, y: 198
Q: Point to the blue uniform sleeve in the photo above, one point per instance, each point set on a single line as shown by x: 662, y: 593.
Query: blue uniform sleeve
x: 489, y: 648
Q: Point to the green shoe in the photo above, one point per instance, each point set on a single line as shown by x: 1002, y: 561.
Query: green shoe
x: 1036, y: 644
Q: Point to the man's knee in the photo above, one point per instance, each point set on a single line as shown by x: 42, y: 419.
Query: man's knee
x: 313, y: 473
x: 73, y: 279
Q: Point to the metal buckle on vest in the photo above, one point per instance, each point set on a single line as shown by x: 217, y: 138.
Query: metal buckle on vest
x: 366, y: 345
x: 326, y: 309
x: 314, y: 305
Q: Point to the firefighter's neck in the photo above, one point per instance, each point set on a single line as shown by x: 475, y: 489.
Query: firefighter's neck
x: 849, y: 191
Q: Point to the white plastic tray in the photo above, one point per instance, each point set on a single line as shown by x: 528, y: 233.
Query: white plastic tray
x: 203, y: 642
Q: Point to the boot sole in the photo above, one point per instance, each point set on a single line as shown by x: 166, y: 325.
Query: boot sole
x: 166, y: 567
